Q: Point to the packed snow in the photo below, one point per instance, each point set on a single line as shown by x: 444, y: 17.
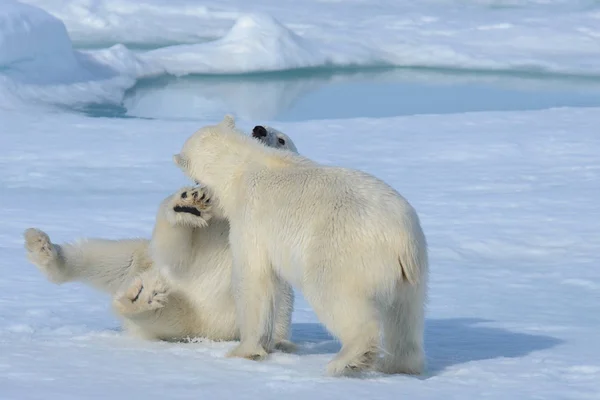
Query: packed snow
x: 509, y: 201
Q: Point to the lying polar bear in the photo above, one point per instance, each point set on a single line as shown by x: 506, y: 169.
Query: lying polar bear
x: 187, y: 239
x: 349, y: 241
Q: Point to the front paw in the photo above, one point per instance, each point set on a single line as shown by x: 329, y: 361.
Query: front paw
x: 254, y: 352
x: 141, y: 295
x: 286, y: 346
x: 191, y: 206
x: 43, y: 254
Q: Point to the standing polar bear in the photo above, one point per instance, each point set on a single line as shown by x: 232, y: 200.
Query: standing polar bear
x: 350, y: 242
x: 188, y: 237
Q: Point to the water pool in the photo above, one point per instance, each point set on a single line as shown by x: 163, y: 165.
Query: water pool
x: 330, y: 94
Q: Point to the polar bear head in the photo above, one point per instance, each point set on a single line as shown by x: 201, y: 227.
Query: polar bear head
x: 210, y: 150
x: 273, y: 138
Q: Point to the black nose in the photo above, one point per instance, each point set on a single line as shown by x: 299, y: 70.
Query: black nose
x: 259, y: 131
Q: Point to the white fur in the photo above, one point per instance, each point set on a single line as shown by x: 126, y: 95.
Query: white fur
x: 196, y: 302
x: 350, y: 242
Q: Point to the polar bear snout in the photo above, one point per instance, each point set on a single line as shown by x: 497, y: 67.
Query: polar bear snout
x: 180, y: 161
x: 259, y: 132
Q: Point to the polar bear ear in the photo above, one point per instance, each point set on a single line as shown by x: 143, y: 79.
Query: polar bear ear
x: 180, y: 161
x: 228, y: 121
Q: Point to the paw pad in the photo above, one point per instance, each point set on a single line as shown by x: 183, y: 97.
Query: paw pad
x: 195, y: 195
x: 191, y: 206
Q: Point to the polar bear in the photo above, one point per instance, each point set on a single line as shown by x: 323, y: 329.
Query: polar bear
x: 350, y: 242
x: 188, y: 236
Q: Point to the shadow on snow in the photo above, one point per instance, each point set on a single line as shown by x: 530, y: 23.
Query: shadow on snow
x: 448, y: 342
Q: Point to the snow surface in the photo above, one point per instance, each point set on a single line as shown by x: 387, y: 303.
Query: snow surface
x: 509, y: 203
x: 509, y: 200
x: 550, y: 35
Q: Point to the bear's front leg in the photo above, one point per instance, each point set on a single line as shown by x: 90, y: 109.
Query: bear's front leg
x: 284, y: 305
x: 255, y: 287
x: 179, y: 217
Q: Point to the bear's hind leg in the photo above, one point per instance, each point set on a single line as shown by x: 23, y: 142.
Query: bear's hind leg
x: 145, y: 292
x: 45, y: 255
x: 403, y: 322
x: 102, y: 263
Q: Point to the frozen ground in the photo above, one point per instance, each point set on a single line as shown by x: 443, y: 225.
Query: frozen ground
x: 509, y: 202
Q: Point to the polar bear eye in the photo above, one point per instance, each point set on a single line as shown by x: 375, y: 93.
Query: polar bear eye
x: 281, y: 141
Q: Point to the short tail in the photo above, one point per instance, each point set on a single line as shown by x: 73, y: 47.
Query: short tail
x: 413, y: 256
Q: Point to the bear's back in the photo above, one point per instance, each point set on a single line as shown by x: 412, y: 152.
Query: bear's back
x: 323, y: 195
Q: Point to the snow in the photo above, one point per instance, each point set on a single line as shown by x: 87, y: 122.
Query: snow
x: 552, y: 36
x: 183, y: 37
x: 29, y: 30
x: 254, y: 43
x: 508, y: 200
x: 38, y: 63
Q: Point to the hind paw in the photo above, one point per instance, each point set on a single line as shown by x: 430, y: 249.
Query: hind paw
x: 142, y: 294
x: 43, y: 254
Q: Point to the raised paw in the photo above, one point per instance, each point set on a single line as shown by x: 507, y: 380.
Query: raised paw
x: 43, y: 254
x: 254, y: 353
x: 191, y: 206
x: 141, y: 295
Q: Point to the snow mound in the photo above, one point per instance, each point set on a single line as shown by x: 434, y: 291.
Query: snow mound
x: 38, y: 64
x: 255, y: 43
x: 28, y: 33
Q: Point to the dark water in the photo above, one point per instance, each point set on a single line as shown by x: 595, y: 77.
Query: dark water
x: 324, y: 94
